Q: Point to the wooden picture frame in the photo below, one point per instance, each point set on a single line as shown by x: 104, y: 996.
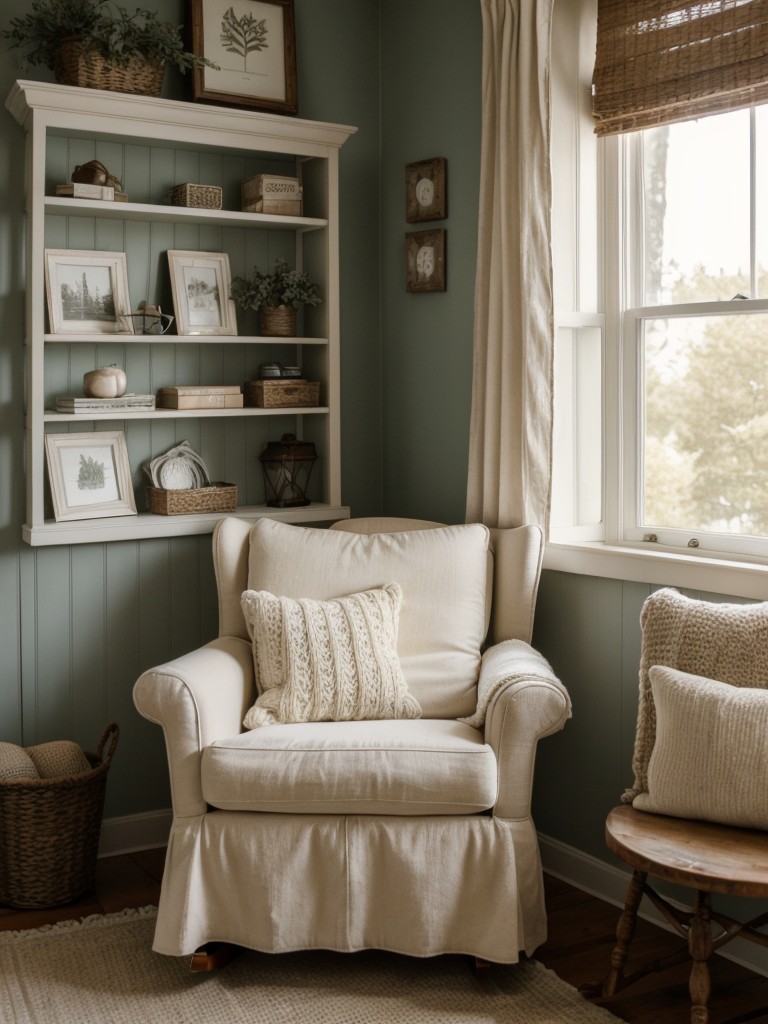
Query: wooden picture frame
x: 425, y: 260
x: 90, y: 475
x: 87, y: 292
x: 425, y: 190
x: 201, y: 284
x: 254, y: 44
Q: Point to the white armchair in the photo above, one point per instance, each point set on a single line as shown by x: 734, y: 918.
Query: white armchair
x: 412, y: 835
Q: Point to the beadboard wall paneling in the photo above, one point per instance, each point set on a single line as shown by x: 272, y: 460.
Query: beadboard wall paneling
x: 78, y: 625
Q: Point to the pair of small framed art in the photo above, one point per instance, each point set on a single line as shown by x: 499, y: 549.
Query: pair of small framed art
x: 426, y: 200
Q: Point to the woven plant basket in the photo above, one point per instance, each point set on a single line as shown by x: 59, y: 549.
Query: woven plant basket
x: 76, y: 65
x: 277, y: 321
x: 49, y: 832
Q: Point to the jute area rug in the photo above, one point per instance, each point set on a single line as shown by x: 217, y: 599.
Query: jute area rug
x: 102, y: 971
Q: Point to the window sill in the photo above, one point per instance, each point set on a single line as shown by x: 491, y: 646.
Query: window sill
x: 661, y: 568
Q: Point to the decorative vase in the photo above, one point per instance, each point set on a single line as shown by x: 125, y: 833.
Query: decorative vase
x: 277, y: 321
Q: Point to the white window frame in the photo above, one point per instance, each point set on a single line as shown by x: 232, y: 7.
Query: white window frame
x: 606, y: 547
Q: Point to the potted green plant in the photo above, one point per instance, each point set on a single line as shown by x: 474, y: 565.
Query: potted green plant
x: 276, y: 294
x: 98, y: 44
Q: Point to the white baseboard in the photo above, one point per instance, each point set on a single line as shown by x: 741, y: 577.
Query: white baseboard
x: 134, y: 832
x: 609, y: 883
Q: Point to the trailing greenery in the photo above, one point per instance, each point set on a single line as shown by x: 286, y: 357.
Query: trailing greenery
x: 102, y: 26
x: 278, y: 287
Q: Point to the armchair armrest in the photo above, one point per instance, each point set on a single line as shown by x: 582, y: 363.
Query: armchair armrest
x: 197, y: 698
x: 520, y: 700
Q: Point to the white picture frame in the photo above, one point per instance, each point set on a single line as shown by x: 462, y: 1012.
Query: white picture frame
x: 201, y: 284
x: 87, y: 292
x: 90, y: 475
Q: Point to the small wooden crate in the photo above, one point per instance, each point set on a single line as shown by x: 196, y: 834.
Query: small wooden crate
x: 282, y: 394
x: 205, y: 197
x: 272, y: 193
x: 218, y: 497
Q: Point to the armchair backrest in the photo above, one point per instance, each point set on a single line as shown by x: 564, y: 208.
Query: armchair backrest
x: 517, y: 557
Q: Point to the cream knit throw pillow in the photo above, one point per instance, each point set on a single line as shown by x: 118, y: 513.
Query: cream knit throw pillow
x: 727, y: 642
x: 710, y: 759
x: 331, y: 660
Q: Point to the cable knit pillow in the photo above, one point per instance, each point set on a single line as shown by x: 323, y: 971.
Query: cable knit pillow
x: 334, y: 660
x: 710, y: 758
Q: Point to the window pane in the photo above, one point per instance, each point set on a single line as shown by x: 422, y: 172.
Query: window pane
x: 705, y: 437
x: 696, y: 210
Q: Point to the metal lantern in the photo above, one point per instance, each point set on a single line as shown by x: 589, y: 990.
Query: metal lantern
x: 149, y: 319
x: 287, y: 465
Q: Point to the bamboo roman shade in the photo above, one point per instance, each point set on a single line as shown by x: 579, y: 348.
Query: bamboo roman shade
x: 660, y: 61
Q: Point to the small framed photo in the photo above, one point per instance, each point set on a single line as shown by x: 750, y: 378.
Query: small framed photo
x: 90, y: 475
x: 87, y: 292
x: 201, y: 283
x: 253, y: 42
x: 425, y: 190
x: 425, y: 260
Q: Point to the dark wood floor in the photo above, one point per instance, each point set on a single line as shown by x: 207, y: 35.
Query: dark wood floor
x: 581, y: 932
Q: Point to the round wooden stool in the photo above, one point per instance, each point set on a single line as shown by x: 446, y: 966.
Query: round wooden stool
x: 704, y: 857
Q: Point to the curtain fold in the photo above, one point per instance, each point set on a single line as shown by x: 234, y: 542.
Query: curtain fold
x: 510, y: 440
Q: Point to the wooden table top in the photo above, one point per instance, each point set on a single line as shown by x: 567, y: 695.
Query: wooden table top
x: 713, y: 858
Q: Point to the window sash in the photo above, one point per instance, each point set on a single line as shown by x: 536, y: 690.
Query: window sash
x: 632, y: 528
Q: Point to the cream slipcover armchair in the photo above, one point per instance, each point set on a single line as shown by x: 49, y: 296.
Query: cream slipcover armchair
x: 412, y: 835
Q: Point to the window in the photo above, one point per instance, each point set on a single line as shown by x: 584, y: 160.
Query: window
x: 694, y: 334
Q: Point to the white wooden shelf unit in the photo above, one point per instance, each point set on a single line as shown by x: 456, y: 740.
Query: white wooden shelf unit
x: 154, y: 144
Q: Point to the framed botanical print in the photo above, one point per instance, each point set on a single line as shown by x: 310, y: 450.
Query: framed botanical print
x: 425, y: 190
x: 425, y: 260
x: 253, y: 42
x: 90, y: 475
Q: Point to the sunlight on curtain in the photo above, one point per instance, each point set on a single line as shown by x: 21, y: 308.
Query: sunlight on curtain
x: 511, y: 420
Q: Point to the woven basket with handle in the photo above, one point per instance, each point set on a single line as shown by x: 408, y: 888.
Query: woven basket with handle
x: 78, y: 65
x: 49, y: 832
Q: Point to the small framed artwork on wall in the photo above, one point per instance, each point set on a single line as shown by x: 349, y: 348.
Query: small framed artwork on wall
x: 425, y: 190
x: 425, y: 260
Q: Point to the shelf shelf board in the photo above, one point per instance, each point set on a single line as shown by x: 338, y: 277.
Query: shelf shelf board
x: 145, y: 525
x: 64, y: 206
x: 180, y: 414
x: 176, y: 339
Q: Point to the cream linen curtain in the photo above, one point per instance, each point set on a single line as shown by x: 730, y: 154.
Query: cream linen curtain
x: 511, y: 419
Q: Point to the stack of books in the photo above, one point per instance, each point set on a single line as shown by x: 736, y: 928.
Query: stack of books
x: 214, y: 396
x: 85, y: 406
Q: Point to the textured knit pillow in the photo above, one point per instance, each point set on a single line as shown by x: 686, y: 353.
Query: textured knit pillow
x: 710, y: 758
x: 331, y: 660
x: 728, y: 642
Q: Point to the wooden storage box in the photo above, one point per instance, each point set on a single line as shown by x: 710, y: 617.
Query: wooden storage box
x: 272, y: 193
x: 206, y: 197
x: 282, y: 394
x: 218, y: 497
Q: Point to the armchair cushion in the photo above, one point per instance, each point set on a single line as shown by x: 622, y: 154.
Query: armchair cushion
x: 445, y: 579
x: 710, y: 758
x: 380, y: 767
x: 332, y: 660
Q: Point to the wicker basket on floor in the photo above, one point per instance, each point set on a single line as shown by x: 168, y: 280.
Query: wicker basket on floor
x: 77, y: 65
x: 49, y: 832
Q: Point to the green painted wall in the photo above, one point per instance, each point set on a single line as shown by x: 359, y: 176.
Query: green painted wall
x: 430, y: 104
